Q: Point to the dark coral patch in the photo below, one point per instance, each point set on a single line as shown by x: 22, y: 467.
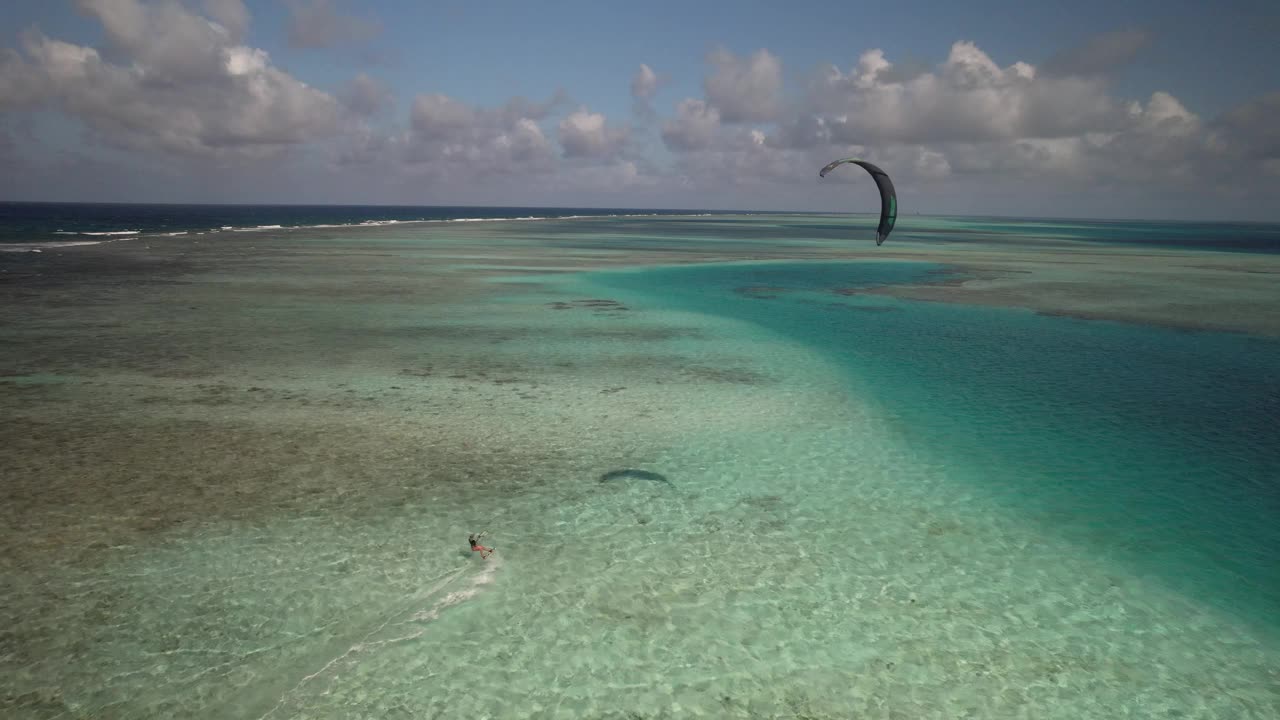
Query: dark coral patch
x: 760, y: 292
x: 596, y: 304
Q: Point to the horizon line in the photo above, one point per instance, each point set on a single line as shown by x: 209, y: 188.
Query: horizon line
x: 673, y: 210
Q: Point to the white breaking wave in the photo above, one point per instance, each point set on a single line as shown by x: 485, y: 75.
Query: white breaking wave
x: 485, y: 219
x: 523, y: 218
x: 127, y: 234
x: 40, y: 246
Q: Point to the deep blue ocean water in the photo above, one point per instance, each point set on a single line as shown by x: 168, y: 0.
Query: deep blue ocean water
x: 22, y: 222
x: 1158, y: 448
x: 53, y: 222
x: 1217, y: 235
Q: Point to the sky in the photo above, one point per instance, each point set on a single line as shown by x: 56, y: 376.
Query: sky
x: 1163, y: 110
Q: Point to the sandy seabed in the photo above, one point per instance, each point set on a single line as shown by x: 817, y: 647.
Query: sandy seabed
x: 238, y: 473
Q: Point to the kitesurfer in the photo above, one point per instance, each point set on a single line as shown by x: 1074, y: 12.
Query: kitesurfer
x: 474, y: 539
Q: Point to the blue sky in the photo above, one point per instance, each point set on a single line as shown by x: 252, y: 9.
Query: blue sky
x: 1103, y: 109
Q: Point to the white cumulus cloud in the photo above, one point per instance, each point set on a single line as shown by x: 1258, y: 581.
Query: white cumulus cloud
x: 966, y: 98
x: 366, y: 96
x: 645, y: 83
x: 231, y: 14
x: 449, y: 138
x: 183, y: 85
x: 585, y: 134
x: 745, y: 89
x: 695, y: 126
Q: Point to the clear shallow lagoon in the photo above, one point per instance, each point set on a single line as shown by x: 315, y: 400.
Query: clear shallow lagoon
x: 1155, y: 446
x: 244, y: 470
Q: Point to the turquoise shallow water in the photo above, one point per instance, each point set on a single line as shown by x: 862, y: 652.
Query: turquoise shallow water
x: 1159, y: 448
x: 245, y: 470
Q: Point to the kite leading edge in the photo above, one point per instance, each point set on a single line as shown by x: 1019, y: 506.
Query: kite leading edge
x: 888, y: 196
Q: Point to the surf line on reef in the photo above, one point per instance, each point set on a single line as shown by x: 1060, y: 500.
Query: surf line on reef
x: 416, y: 617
